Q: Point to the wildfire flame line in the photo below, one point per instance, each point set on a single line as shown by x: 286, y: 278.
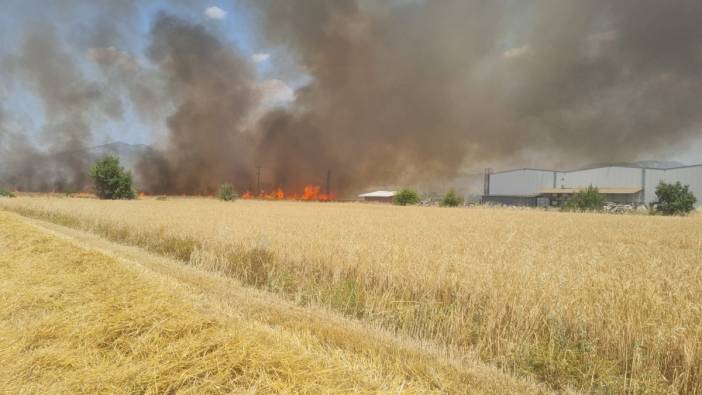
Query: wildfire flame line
x: 309, y: 193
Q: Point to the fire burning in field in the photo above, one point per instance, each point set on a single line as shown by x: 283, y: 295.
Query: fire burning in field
x: 309, y: 193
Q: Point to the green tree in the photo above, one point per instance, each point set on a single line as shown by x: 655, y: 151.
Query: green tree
x: 674, y: 199
x: 588, y: 199
x: 226, y: 192
x: 110, y: 179
x: 406, y: 196
x: 451, y: 199
x: 6, y: 193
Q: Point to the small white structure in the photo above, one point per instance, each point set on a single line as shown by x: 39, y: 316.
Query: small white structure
x: 378, y: 196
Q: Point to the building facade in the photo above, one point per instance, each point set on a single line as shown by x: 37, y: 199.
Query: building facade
x: 619, y: 184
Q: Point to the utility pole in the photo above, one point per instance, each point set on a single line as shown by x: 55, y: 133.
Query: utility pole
x: 328, y: 182
x: 258, y: 179
x: 486, y: 181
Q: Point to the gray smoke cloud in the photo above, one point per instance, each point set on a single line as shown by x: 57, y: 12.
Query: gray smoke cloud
x: 18, y: 156
x: 399, y: 92
x: 69, y: 102
x: 413, y: 89
x: 213, y: 86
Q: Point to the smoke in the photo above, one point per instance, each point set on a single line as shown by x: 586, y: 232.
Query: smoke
x: 390, y: 99
x: 213, y: 87
x: 17, y: 155
x: 403, y: 91
x: 605, y: 80
x: 69, y: 103
x: 412, y: 90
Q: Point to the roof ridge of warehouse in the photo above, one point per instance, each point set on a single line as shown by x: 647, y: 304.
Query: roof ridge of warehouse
x: 596, y: 167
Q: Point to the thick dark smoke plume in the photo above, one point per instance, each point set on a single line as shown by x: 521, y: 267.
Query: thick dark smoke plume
x: 207, y: 142
x: 401, y: 91
x: 414, y: 89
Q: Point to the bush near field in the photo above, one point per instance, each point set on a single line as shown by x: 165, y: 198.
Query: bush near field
x: 406, y: 197
x: 6, y: 193
x: 451, y: 199
x: 674, y: 199
x: 226, y: 193
x: 110, y: 179
x: 589, y: 199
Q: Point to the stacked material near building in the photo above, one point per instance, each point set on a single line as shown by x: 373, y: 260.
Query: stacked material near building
x: 619, y: 184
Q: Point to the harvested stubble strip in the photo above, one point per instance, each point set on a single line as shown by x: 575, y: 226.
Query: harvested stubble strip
x: 77, y: 320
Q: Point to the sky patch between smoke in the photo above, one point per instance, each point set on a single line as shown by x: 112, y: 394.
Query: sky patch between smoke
x: 260, y: 57
x: 215, y: 13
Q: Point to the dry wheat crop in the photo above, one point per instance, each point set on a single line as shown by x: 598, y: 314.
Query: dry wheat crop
x: 598, y: 302
x: 76, y: 320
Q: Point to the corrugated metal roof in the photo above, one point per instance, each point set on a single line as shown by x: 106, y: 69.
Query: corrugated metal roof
x: 598, y: 167
x: 378, y: 194
x: 607, y: 191
x: 525, y: 169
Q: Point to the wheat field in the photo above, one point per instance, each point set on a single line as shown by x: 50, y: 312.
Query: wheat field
x: 80, y: 315
x: 586, y: 302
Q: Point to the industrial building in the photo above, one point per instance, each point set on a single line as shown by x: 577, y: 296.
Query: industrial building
x: 619, y: 184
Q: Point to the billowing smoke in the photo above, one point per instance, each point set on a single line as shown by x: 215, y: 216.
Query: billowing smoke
x: 403, y: 91
x: 392, y: 94
x: 411, y: 90
x: 213, y: 87
x: 69, y: 102
x: 18, y: 156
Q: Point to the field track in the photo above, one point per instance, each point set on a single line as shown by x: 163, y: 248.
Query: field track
x: 82, y: 314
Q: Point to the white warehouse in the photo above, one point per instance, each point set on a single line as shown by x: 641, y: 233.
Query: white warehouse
x: 620, y: 184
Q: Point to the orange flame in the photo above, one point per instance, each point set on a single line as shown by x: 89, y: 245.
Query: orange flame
x: 309, y: 193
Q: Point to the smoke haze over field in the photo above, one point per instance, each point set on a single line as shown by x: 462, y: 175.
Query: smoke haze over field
x: 395, y: 92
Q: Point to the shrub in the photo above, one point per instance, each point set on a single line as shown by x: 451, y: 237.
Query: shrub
x: 589, y: 199
x: 674, y: 199
x: 6, y: 193
x: 226, y: 192
x: 406, y: 196
x: 451, y: 199
x: 111, y: 180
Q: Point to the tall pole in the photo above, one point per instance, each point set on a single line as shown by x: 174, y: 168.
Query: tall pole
x: 258, y: 179
x: 486, y: 182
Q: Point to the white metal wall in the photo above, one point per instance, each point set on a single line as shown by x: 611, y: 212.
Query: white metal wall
x: 653, y: 178
x: 602, y: 177
x: 522, y: 182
